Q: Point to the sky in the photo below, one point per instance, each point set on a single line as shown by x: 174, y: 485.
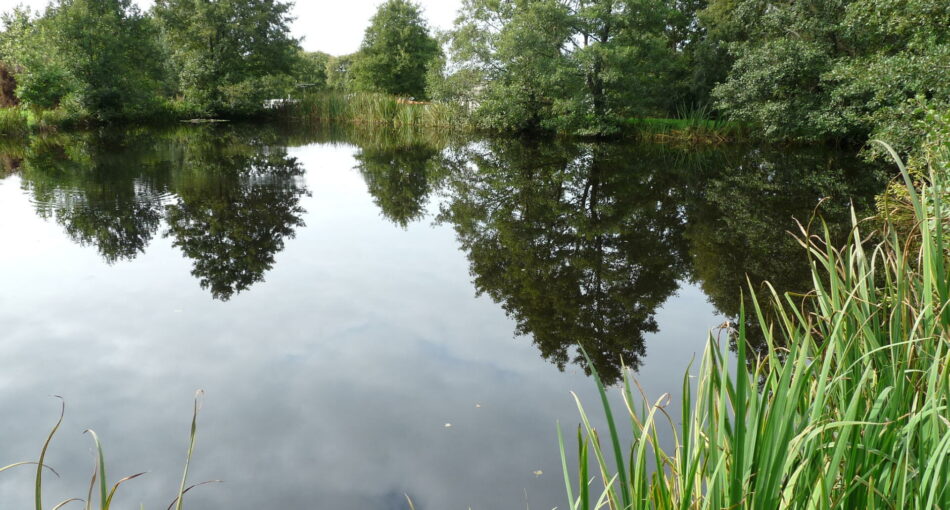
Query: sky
x: 332, y: 26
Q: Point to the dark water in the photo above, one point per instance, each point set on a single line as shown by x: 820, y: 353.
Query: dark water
x: 370, y: 314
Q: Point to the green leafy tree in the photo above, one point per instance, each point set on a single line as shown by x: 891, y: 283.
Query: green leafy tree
x: 97, y: 58
x: 17, y: 24
x: 816, y: 69
x: 112, y: 50
x: 310, y: 70
x: 578, y: 66
x: 396, y: 52
x: 15, y: 27
x: 621, y: 54
x: 338, y: 72
x: 513, y: 52
x: 229, y: 55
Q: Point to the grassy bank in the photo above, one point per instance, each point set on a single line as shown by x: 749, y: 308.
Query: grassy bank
x: 696, y: 124
x: 326, y: 107
x: 20, y: 121
x: 849, y: 408
x: 706, y: 131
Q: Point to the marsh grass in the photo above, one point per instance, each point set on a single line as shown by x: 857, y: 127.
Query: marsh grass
x: 13, y: 122
x: 694, y: 124
x: 106, y: 493
x: 847, y: 409
x: 372, y: 109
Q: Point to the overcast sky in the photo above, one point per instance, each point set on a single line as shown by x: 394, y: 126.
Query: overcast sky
x: 333, y: 26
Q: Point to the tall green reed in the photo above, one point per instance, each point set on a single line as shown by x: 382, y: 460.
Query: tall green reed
x: 848, y: 408
x: 371, y: 108
x: 13, y: 122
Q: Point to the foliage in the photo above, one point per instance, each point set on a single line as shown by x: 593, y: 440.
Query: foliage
x: 695, y: 125
x: 95, y: 58
x: 895, y: 206
x: 12, y: 122
x: 579, y: 66
x: 396, y: 52
x: 310, y: 70
x: 339, y: 77
x: 17, y: 25
x: 371, y: 108
x: 853, y: 413
x: 222, y: 50
x: 844, y: 68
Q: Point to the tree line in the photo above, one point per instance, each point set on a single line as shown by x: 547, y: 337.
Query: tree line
x: 790, y: 69
x: 793, y: 69
x: 107, y: 60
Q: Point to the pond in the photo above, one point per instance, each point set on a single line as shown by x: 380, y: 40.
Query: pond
x: 371, y: 314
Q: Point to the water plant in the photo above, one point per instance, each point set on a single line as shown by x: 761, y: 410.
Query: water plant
x: 13, y: 122
x: 694, y: 124
x: 371, y: 108
x: 105, y: 493
x: 849, y: 407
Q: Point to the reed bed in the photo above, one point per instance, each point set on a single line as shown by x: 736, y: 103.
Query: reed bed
x: 373, y: 109
x: 695, y: 124
x: 13, y: 122
x: 847, y: 409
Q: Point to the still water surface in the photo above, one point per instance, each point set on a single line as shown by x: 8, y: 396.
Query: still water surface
x: 370, y: 315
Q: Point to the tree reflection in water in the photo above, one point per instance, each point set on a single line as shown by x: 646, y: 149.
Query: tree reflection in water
x: 580, y: 243
x: 229, y: 196
x: 104, y: 190
x: 400, y: 178
x: 236, y: 202
x: 575, y: 251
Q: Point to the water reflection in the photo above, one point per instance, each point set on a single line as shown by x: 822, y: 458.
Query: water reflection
x: 741, y: 220
x: 580, y: 243
x: 577, y: 245
x: 228, y: 196
x: 400, y: 178
x: 237, y: 199
x: 86, y: 184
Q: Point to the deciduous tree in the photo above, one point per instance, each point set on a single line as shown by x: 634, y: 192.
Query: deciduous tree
x: 228, y: 54
x: 396, y: 52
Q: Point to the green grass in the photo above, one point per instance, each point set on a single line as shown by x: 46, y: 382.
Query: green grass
x: 695, y: 124
x: 106, y: 493
x: 13, y: 122
x: 18, y: 122
x: 372, y: 109
x: 848, y: 409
